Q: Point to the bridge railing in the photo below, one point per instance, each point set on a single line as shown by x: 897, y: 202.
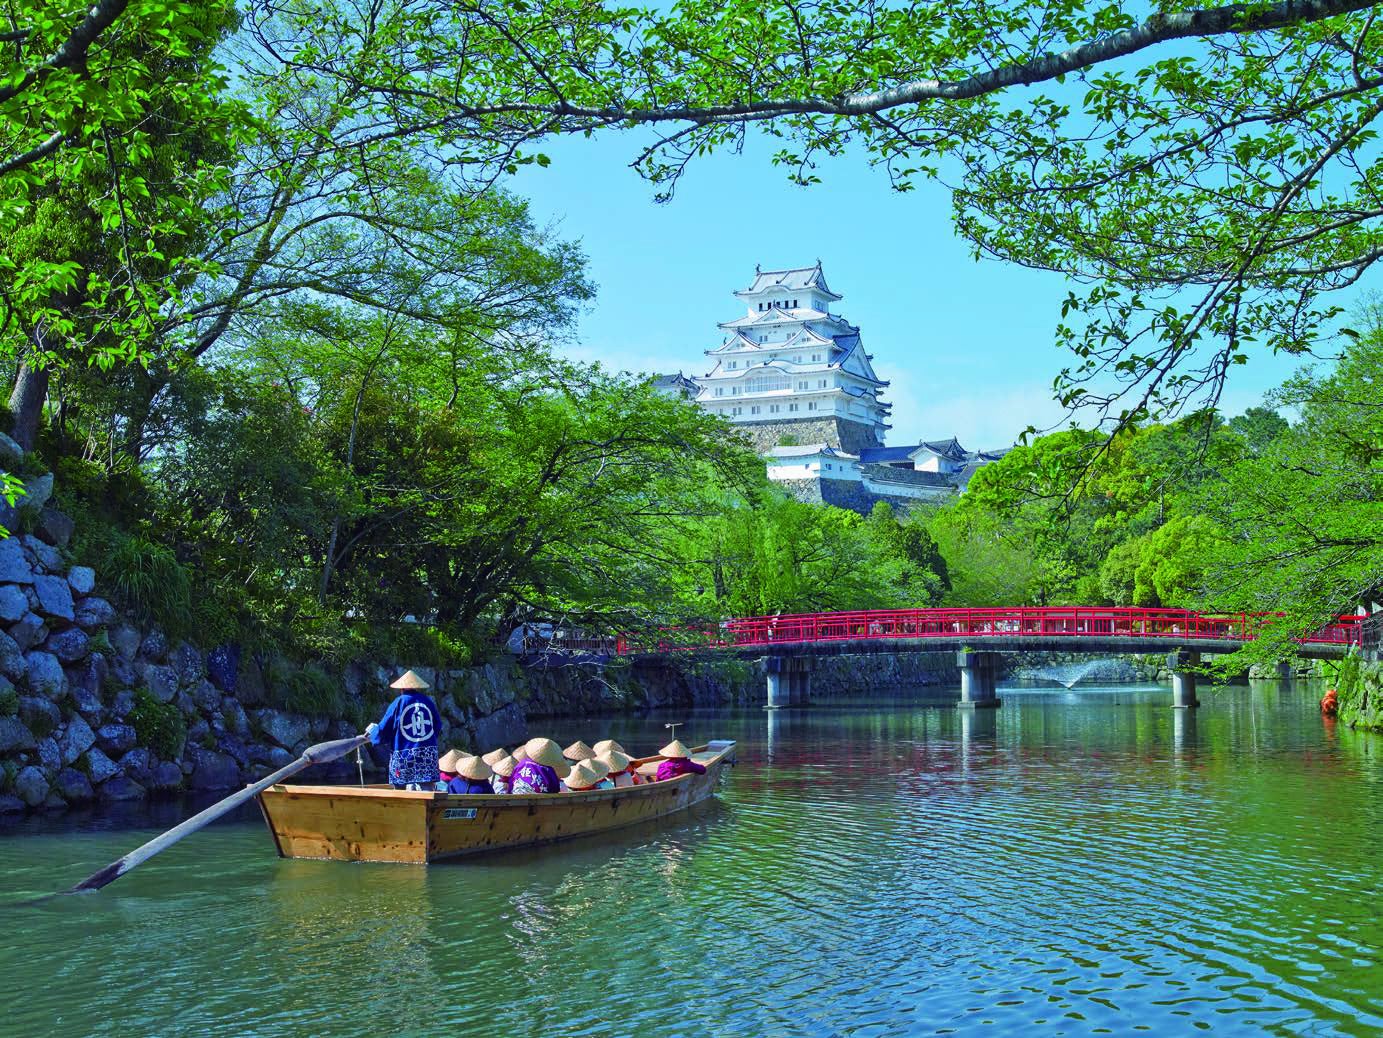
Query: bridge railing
x: 1174, y: 625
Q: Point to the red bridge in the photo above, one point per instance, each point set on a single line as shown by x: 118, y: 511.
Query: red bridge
x: 978, y: 636
x: 1016, y: 628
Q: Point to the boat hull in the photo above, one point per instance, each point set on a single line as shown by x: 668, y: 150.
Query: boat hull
x: 372, y: 823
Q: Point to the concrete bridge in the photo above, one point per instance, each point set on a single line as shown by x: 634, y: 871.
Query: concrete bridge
x: 979, y: 636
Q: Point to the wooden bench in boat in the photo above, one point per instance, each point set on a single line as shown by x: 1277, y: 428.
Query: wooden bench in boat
x: 380, y: 823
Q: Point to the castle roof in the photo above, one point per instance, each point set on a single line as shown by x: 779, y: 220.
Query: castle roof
x: 677, y: 381
x: 809, y: 450
x: 793, y: 280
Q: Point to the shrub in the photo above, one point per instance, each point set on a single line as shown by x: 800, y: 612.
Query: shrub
x: 159, y: 726
x: 149, y: 579
x: 42, y: 725
x: 306, y: 690
x: 26, y: 518
x: 9, y: 702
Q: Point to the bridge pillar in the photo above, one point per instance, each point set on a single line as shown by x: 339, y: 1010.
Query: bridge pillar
x: 977, y: 671
x: 1183, y: 678
x: 801, y: 687
x: 785, y: 686
x: 1286, y: 672
x: 777, y: 693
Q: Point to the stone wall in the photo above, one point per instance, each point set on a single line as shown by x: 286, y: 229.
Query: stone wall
x: 844, y: 493
x: 1031, y: 666
x: 1360, y: 691
x: 840, y: 433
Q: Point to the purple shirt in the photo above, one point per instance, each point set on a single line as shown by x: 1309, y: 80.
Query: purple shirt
x: 532, y: 777
x: 465, y: 785
x: 675, y: 766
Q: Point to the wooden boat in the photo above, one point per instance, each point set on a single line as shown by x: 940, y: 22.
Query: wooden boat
x: 380, y: 823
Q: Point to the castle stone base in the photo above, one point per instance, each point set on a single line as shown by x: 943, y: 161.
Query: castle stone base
x: 844, y: 493
x: 840, y: 433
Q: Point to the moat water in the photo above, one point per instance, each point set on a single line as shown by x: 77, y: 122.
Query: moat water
x: 1089, y: 862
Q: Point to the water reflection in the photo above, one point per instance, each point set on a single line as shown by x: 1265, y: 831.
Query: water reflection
x: 1086, y: 863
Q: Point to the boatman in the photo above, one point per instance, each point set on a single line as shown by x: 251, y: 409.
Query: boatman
x: 410, y: 726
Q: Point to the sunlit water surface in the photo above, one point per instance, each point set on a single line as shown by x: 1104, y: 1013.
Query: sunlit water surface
x: 1073, y: 863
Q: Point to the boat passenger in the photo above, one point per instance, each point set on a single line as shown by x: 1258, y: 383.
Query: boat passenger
x: 409, y: 726
x: 495, y: 755
x: 622, y: 772
x: 584, y: 776
x: 603, y: 770
x: 544, y: 769
x: 502, y: 780
x: 446, y: 767
x: 608, y: 744
x: 520, y: 755
x: 649, y: 772
x: 677, y: 761
x: 472, y: 776
x: 578, y: 751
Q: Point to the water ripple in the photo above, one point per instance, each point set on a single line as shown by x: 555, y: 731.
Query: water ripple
x: 1060, y: 868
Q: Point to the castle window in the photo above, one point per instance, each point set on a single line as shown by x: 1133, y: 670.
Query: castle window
x: 821, y: 383
x: 802, y: 384
x: 811, y: 406
x: 767, y: 383
x: 794, y: 304
x: 753, y: 410
x: 792, y: 407
x: 772, y: 408
x: 720, y: 391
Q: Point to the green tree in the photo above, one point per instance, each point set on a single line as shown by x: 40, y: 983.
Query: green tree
x: 1207, y: 171
x: 1305, y: 511
x: 922, y: 576
x: 113, y: 137
x: 1168, y: 566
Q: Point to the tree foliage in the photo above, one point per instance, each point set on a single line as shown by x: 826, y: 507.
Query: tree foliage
x: 1207, y: 172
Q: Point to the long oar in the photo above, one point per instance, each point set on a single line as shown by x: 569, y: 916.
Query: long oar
x: 318, y: 754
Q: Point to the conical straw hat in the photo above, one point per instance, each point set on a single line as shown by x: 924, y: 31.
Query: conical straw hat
x: 450, y: 759
x: 584, y: 774
x: 409, y: 679
x: 608, y: 744
x: 520, y: 755
x: 649, y: 770
x: 545, y: 752
x: 495, y: 755
x: 675, y: 749
x: 615, y: 760
x: 598, y: 766
x: 474, y: 768
x: 504, y: 767
x: 578, y: 751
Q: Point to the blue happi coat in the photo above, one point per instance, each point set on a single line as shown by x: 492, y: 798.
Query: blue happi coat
x: 409, y: 727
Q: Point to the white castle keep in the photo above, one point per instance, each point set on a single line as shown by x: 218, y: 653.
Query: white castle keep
x: 794, y: 377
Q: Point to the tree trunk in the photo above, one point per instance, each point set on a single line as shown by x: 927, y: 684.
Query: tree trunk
x: 145, y: 389
x: 26, y: 404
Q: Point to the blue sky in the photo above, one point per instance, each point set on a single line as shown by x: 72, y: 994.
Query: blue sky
x: 967, y: 345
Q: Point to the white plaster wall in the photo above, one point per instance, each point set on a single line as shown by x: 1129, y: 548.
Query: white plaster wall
x: 797, y: 470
